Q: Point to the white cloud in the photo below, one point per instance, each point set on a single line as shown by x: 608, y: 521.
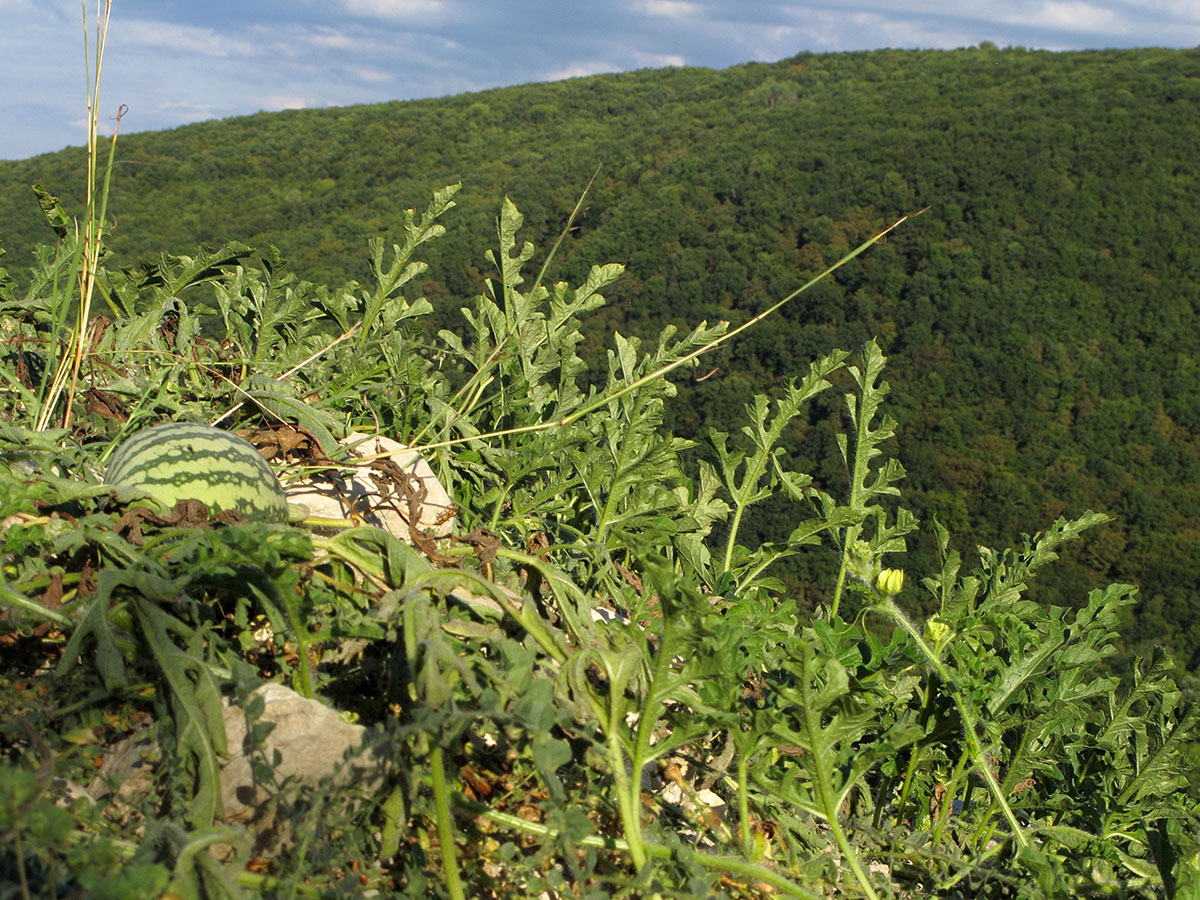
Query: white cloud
x: 331, y: 39
x: 580, y: 70
x: 182, y: 113
x: 370, y: 75
x: 1076, y: 16
x: 660, y: 60
x: 402, y: 10
x: 61, y: 9
x: 167, y: 37
x: 1187, y: 10
x: 889, y: 32
x: 668, y: 8
x: 285, y: 101
x: 596, y: 67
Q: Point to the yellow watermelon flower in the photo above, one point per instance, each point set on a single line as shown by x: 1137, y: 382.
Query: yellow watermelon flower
x: 890, y: 581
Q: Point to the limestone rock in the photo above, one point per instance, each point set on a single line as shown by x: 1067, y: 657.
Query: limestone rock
x: 314, y: 746
x: 391, y: 492
x: 312, y: 743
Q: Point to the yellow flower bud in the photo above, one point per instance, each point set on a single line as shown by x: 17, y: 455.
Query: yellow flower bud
x: 937, y: 631
x: 890, y: 581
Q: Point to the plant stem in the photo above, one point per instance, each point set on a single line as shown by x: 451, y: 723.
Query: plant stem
x: 445, y: 823
x: 629, y: 796
x: 525, y: 614
x: 889, y: 608
x: 847, y: 539
x: 734, y: 524
x: 743, y: 801
x: 913, y: 759
x: 9, y: 597
x: 946, y: 808
x: 824, y: 784
x: 264, y: 884
x: 569, y: 599
x: 858, y: 475
x: 647, y: 718
x: 748, y: 870
x: 19, y: 852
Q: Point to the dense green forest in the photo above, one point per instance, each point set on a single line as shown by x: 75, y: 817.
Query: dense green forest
x: 1040, y: 317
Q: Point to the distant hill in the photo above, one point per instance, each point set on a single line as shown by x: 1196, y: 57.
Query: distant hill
x: 1041, y: 317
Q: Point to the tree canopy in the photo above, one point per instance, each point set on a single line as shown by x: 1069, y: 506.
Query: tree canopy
x: 1040, y: 316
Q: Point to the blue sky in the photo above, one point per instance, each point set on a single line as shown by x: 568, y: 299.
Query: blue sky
x: 172, y: 62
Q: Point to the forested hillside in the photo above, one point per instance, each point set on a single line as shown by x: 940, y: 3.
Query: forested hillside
x: 1040, y: 317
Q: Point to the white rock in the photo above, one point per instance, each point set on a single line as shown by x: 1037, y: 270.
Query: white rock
x: 392, y: 503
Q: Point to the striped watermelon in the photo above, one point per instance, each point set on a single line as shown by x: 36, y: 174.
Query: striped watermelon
x: 187, y: 461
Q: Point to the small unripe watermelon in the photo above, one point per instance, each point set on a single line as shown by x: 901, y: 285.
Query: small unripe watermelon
x: 187, y: 461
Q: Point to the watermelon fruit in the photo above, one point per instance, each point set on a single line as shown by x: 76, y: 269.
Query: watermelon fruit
x: 189, y: 461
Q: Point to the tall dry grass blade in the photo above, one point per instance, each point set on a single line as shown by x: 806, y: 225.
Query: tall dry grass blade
x: 93, y: 232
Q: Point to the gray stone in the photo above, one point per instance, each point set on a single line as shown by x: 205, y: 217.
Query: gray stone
x: 312, y: 743
x: 314, y: 746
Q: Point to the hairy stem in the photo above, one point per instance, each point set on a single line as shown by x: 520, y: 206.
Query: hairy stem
x: 629, y: 797
x: 743, y: 801
x: 445, y: 823
x: 913, y: 759
x: 823, y: 779
x: 978, y: 758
